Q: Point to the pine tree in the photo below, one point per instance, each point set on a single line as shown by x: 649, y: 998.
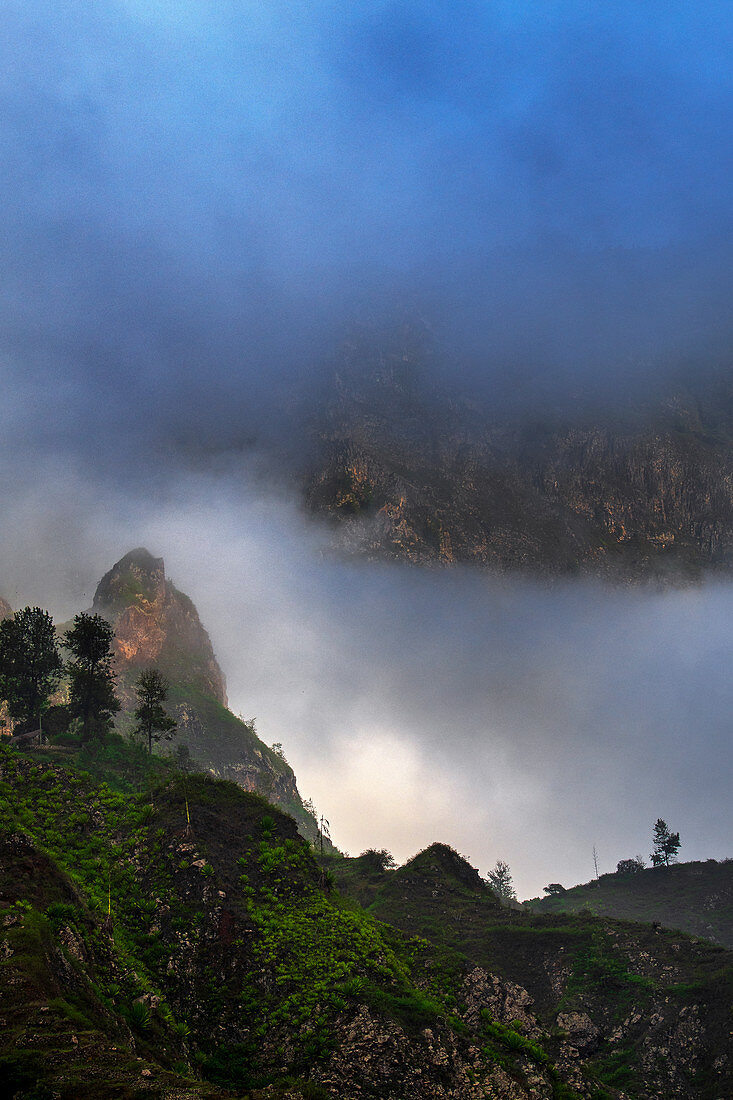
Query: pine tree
x: 500, y: 881
x: 153, y: 721
x: 30, y: 664
x: 92, y: 696
x: 666, y: 845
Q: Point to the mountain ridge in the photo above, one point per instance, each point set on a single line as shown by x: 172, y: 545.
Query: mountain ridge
x: 408, y: 468
x: 695, y: 897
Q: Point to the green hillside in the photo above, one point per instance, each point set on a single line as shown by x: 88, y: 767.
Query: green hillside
x: 170, y: 935
x: 694, y: 897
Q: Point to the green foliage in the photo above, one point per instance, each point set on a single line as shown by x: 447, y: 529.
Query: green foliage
x: 598, y: 967
x: 138, y: 1015
x: 666, y: 844
x: 377, y: 861
x: 618, y: 1069
x: 500, y: 881
x: 630, y: 866
x: 92, y: 696
x: 279, y: 959
x: 30, y: 664
x: 153, y: 721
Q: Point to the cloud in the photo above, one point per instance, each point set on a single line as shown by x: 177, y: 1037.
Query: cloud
x: 197, y: 200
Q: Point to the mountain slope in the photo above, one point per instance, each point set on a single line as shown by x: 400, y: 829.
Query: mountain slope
x: 137, y: 951
x: 409, y: 469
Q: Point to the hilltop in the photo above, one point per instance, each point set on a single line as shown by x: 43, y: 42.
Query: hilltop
x: 694, y: 897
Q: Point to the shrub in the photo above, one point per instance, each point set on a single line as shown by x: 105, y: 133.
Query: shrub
x: 138, y: 1015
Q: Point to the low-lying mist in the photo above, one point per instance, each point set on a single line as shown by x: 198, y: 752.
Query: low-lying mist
x: 510, y: 719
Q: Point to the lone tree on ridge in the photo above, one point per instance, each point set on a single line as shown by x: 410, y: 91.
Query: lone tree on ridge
x: 153, y: 721
x: 500, y: 881
x: 666, y: 845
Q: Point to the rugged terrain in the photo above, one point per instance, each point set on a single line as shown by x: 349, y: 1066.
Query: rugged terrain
x: 409, y: 468
x: 145, y: 956
x: 694, y: 897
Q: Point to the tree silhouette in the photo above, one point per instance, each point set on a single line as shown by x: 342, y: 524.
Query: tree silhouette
x: 500, y: 881
x: 153, y: 721
x: 30, y: 664
x: 666, y: 845
x: 92, y: 696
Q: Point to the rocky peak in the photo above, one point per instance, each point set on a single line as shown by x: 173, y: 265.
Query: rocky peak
x: 5, y: 609
x: 444, y: 862
x: 136, y: 578
x: 155, y: 624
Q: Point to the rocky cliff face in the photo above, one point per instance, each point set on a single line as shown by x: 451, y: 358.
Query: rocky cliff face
x: 412, y: 471
x: 157, y: 626
x: 5, y: 609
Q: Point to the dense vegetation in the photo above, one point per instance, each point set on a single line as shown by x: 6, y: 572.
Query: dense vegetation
x: 186, y: 923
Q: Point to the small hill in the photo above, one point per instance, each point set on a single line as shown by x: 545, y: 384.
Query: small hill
x: 694, y: 897
x: 597, y: 983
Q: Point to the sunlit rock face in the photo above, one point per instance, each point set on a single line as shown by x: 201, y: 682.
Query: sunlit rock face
x: 156, y: 625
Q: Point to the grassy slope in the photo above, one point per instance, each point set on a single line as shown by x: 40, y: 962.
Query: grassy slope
x: 694, y: 897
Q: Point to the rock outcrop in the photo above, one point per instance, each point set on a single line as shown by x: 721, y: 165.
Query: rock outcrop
x: 156, y: 625
x: 5, y: 609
